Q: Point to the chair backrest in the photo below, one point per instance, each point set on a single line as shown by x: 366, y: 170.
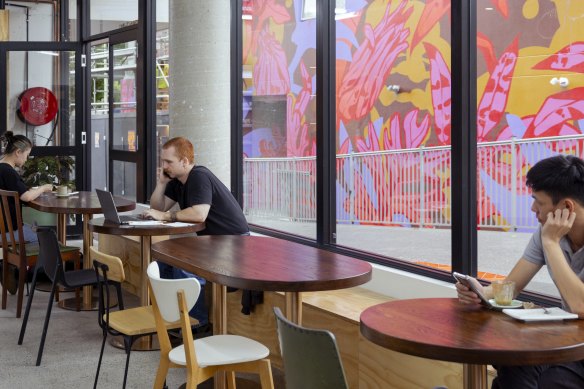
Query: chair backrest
x: 115, y: 271
x: 49, y: 254
x: 165, y: 292
x: 11, y: 210
x: 311, y: 357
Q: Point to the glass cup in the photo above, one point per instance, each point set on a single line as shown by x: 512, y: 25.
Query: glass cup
x: 62, y: 190
x: 503, y: 291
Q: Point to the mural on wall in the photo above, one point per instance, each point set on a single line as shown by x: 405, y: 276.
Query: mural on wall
x: 393, y: 80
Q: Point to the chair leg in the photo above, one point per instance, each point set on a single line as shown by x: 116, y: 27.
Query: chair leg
x: 266, y: 378
x: 21, y: 279
x: 4, y: 281
x: 28, y: 305
x: 120, y: 298
x: 128, y: 341
x: 162, y: 372
x: 46, y: 325
x: 100, y: 357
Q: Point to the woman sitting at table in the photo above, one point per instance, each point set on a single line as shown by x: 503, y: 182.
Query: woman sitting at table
x: 15, y: 151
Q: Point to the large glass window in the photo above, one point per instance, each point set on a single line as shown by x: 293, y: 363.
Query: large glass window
x: 108, y: 15
x: 279, y: 118
x: 393, y: 129
x: 529, y: 108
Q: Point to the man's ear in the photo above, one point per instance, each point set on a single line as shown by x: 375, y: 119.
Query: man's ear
x: 570, y: 204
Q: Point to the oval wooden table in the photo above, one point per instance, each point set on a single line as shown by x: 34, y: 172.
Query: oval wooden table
x: 261, y: 263
x: 84, y: 203
x: 444, y: 329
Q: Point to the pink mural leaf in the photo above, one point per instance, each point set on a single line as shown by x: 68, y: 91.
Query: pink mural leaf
x: 494, y: 100
x: 555, y: 111
x: 394, y: 130
x: 270, y: 73
x: 440, y: 84
x: 299, y: 143
x: 262, y: 11
x: 502, y: 7
x: 369, y: 144
x: 485, y: 45
x: 372, y: 63
x: 414, y: 133
x: 570, y: 58
x: 431, y: 14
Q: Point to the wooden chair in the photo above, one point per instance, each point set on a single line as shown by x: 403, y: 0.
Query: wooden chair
x: 132, y: 323
x: 51, y: 263
x: 171, y: 301
x: 311, y: 357
x: 17, y: 252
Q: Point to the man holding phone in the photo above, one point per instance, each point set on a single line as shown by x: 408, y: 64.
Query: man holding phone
x: 202, y: 198
x: 557, y: 186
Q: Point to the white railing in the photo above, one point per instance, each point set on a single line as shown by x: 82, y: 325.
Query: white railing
x: 404, y: 187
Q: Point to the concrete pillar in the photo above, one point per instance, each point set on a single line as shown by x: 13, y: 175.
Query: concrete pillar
x: 199, y: 106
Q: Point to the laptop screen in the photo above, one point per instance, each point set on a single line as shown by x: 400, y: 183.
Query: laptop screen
x: 106, y: 200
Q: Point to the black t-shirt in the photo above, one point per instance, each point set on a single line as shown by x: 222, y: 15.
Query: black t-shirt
x: 203, y: 187
x: 11, y: 180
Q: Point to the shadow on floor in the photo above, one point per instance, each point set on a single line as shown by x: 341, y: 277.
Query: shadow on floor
x: 248, y: 381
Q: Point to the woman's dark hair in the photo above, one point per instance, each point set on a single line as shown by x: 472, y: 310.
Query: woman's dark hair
x: 560, y: 177
x: 9, y: 143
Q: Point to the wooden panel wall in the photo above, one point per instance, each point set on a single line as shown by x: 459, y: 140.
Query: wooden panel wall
x: 3, y: 24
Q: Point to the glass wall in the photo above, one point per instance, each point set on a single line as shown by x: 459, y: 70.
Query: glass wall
x: 124, y: 96
x: 393, y: 129
x: 108, y: 15
x: 529, y: 88
x: 279, y: 116
x: 99, y: 111
x: 124, y: 179
x: 162, y: 75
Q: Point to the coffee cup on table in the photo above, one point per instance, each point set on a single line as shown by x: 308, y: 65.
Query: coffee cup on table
x: 503, y: 291
x: 62, y: 190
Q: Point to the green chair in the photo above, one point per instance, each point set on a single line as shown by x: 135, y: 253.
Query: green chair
x: 311, y: 357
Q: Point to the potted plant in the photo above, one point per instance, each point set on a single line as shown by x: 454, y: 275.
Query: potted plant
x: 38, y: 171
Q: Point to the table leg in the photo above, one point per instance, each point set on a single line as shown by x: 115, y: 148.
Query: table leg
x: 89, y: 303
x: 219, y: 309
x: 294, y: 307
x: 474, y: 376
x: 62, y: 228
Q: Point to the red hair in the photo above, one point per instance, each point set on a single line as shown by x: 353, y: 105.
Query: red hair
x: 183, y: 148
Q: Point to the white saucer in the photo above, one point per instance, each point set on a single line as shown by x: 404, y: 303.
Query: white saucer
x: 514, y: 304
x: 66, y: 195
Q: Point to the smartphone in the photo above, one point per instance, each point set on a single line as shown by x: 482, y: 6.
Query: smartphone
x: 166, y: 175
x: 466, y: 281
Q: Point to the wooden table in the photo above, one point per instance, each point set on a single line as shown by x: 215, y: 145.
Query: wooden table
x: 87, y: 204
x: 260, y: 263
x: 447, y: 330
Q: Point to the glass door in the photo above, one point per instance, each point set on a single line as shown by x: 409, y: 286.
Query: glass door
x: 41, y: 91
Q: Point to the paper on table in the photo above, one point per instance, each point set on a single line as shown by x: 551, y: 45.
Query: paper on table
x: 145, y: 223
x: 539, y: 314
x: 178, y: 224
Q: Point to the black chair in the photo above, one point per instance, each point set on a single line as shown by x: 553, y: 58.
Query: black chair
x: 311, y: 357
x: 51, y: 262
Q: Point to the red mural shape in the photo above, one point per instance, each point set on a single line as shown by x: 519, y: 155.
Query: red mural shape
x: 555, y: 114
x: 502, y: 7
x: 262, y: 11
x: 431, y: 14
x: 299, y: 142
x: 270, y: 73
x: 372, y: 63
x: 441, y: 89
x: 494, y: 99
x: 485, y: 46
x: 570, y: 58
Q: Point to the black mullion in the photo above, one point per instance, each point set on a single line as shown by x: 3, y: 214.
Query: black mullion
x: 325, y: 122
x: 464, y: 145
x: 149, y: 128
x: 4, y: 82
x: 84, y: 23
x: 236, y: 101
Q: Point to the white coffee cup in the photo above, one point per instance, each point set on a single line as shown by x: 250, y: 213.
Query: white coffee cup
x: 62, y: 190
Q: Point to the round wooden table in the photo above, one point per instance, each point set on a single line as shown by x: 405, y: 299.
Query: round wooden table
x: 261, y: 263
x: 87, y: 204
x: 445, y: 329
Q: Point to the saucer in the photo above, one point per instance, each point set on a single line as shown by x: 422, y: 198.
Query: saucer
x: 66, y: 195
x: 514, y: 304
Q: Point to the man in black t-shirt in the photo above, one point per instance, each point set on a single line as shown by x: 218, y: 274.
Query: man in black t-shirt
x: 201, y: 196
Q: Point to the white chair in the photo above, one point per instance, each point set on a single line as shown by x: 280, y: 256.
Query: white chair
x: 171, y: 301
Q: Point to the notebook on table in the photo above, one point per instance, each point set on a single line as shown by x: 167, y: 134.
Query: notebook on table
x: 110, y: 213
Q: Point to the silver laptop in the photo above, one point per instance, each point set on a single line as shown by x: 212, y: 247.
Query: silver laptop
x: 110, y: 212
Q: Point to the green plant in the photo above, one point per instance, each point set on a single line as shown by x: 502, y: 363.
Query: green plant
x: 48, y: 170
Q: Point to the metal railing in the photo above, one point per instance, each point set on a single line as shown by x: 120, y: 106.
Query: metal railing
x: 409, y: 187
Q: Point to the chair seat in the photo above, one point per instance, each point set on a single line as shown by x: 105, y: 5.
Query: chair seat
x: 137, y: 321
x: 77, y: 278
x: 32, y: 249
x: 221, y: 350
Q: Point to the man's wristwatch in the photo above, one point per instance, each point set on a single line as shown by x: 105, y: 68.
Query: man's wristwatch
x: 173, y: 216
